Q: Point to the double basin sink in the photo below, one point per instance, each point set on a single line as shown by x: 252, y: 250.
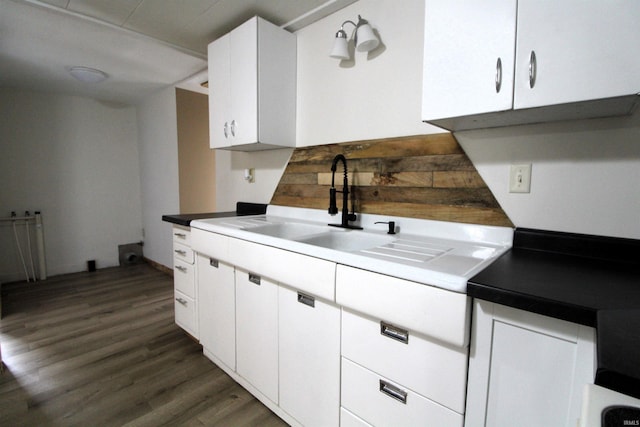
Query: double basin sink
x: 446, y: 257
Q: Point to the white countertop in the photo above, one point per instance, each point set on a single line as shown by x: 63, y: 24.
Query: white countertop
x: 436, y: 253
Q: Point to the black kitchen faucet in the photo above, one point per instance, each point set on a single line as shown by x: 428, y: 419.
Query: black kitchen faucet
x: 333, y: 208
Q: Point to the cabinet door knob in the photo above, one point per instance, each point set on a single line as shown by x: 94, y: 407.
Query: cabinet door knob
x: 181, y: 301
x: 498, y: 75
x: 533, y: 69
x: 226, y: 130
x: 233, y: 128
x: 181, y: 268
x: 180, y: 235
x: 214, y: 262
x: 393, y: 391
x: 180, y: 252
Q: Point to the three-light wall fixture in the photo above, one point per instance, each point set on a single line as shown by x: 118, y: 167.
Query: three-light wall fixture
x: 363, y: 37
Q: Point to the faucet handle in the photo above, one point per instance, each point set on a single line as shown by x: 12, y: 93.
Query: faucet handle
x: 392, y: 226
x: 333, y: 208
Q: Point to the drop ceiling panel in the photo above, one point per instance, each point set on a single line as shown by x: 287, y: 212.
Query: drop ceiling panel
x: 114, y: 11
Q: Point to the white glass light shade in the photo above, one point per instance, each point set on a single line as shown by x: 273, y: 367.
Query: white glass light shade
x: 340, y: 48
x: 367, y: 40
x: 87, y: 75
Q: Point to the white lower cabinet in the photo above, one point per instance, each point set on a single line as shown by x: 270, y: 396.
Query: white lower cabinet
x: 382, y: 402
x: 348, y: 419
x: 309, y: 339
x: 526, y: 369
x: 184, y: 281
x: 322, y: 344
x: 257, y: 332
x: 217, y: 309
x: 186, y: 313
x: 421, y: 364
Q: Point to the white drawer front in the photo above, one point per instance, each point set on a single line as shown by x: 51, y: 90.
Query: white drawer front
x: 347, y: 419
x: 427, y: 367
x: 184, y: 277
x: 436, y: 312
x: 182, y: 253
x: 308, y: 274
x: 362, y: 395
x: 186, y: 313
x: 182, y: 235
x: 210, y: 244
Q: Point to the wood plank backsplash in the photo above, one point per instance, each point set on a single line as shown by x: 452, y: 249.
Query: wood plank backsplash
x: 424, y: 176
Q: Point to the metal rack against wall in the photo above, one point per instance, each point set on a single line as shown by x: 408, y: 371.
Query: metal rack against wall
x: 26, y: 254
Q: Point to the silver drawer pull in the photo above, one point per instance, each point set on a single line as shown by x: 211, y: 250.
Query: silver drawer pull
x: 254, y: 278
x: 181, y: 301
x: 180, y: 252
x: 213, y: 262
x: 181, y: 268
x: 394, y: 332
x: 306, y: 300
x: 393, y: 391
x: 180, y: 235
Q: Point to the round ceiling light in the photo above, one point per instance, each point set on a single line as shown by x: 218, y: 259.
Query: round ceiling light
x: 88, y: 75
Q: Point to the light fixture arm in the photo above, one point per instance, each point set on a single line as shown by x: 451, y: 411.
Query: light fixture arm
x: 342, y: 34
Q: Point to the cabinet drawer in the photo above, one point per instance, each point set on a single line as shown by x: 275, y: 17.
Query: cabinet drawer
x: 182, y: 235
x: 308, y: 274
x: 186, y: 313
x: 368, y: 396
x: 347, y: 419
x: 182, y: 252
x: 184, y: 278
x: 210, y: 244
x: 442, y: 314
x: 425, y: 366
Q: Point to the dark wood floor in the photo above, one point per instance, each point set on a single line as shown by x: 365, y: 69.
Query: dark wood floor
x: 102, y: 349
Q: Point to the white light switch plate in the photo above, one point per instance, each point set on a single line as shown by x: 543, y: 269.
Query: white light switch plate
x: 520, y: 178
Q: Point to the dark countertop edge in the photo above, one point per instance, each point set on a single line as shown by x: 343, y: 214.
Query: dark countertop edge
x: 185, y: 219
x: 546, y: 307
x: 242, y: 209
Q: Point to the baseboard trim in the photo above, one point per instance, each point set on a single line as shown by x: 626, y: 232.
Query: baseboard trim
x: 158, y: 266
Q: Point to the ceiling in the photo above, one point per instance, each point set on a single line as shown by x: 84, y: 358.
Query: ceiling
x: 142, y: 45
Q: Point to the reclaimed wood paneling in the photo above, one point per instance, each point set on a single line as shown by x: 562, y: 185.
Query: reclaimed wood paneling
x: 423, y: 176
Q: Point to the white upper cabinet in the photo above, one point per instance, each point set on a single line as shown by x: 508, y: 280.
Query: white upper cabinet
x: 468, y: 46
x: 583, y: 50
x: 252, y: 88
x: 573, y: 59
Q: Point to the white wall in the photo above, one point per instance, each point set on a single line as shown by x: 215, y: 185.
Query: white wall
x: 158, y: 146
x: 585, y: 174
x: 75, y: 160
x: 374, y: 95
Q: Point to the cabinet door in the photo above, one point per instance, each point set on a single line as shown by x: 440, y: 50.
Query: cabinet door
x: 257, y: 332
x: 309, y: 335
x: 219, y: 83
x: 216, y: 308
x: 468, y: 45
x: 243, y: 97
x: 584, y: 50
x: 526, y: 368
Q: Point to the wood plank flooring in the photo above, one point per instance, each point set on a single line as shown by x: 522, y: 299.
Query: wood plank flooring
x: 102, y: 349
